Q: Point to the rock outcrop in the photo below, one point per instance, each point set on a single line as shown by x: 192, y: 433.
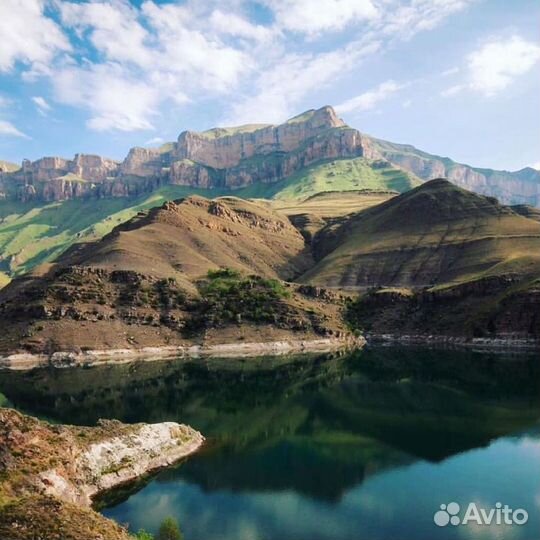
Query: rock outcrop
x: 496, y: 310
x: 51, y: 473
x: 119, y: 460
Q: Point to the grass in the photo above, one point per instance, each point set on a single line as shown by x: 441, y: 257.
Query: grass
x: 334, y: 175
x: 31, y: 235
x: 435, y: 234
x: 304, y: 117
x: 8, y: 166
x: 216, y: 133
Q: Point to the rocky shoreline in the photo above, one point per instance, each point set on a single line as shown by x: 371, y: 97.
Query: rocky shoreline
x: 64, y: 468
x: 121, y: 460
x: 27, y: 361
x: 506, y: 343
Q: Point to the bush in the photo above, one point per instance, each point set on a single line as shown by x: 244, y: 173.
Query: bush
x: 169, y: 530
x: 223, y: 273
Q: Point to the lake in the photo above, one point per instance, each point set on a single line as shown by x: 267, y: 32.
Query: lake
x: 328, y: 447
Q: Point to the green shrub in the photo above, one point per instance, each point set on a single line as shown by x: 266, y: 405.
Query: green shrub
x: 223, y: 273
x: 169, y: 530
x: 228, y: 297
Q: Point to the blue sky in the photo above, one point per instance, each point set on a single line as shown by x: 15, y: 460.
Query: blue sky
x: 460, y: 78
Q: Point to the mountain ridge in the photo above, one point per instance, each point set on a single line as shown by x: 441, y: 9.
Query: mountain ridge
x: 235, y: 158
x: 197, y: 272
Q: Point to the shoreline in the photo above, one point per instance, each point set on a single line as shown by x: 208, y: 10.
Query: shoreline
x: 66, y: 359
x: 497, y: 344
x: 53, y: 473
x: 121, y: 460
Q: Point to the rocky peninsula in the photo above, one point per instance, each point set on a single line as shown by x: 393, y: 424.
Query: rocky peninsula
x: 50, y: 474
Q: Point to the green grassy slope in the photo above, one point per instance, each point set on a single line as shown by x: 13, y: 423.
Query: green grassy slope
x: 8, y: 166
x: 4, y: 280
x: 335, y: 175
x: 31, y: 235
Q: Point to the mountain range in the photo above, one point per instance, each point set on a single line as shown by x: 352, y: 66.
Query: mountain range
x: 435, y: 260
x: 314, y: 151
x: 48, y: 204
x: 306, y: 230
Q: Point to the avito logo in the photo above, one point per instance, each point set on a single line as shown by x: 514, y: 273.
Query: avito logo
x: 449, y: 514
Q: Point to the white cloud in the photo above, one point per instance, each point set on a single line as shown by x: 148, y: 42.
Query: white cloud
x: 496, y: 64
x: 41, y: 104
x: 453, y: 90
x: 407, y: 103
x: 129, y: 61
x: 9, y: 130
x: 287, y: 79
x: 191, y: 55
x: 536, y: 166
x: 279, y: 88
x: 234, y: 25
x: 28, y: 36
x: 115, y: 99
x: 369, y: 100
x: 405, y: 19
x: 450, y: 71
x: 113, y: 28
x: 151, y: 55
x: 311, y: 17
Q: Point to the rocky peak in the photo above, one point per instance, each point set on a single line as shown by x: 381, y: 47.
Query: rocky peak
x: 143, y: 162
x: 227, y: 148
x: 323, y: 118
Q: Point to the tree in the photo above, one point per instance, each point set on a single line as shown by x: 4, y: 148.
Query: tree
x: 169, y: 530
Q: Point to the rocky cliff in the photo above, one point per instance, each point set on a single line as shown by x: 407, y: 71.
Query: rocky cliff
x: 223, y: 157
x: 233, y: 158
x: 519, y: 187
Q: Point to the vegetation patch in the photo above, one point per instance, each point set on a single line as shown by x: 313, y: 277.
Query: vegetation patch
x: 228, y: 297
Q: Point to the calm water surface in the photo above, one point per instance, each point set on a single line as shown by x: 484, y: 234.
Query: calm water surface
x: 364, y: 446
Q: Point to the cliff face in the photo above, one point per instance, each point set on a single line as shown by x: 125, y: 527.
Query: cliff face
x: 267, y: 163
x: 520, y: 187
x: 223, y: 152
x: 222, y: 157
x: 237, y: 157
x: 54, y: 179
x: 143, y: 162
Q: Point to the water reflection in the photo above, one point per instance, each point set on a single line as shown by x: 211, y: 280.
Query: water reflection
x: 359, y: 446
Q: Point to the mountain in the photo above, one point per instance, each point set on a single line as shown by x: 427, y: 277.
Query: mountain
x: 519, y: 187
x: 32, y: 233
x: 194, y: 271
x: 312, y: 152
x: 437, y: 260
x: 436, y: 233
x: 221, y: 158
x: 48, y: 204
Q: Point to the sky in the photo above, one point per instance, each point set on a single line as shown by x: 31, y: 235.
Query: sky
x: 457, y: 78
